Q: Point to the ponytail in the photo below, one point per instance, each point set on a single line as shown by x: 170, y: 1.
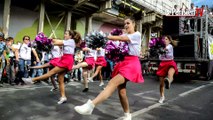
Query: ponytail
x: 75, y: 35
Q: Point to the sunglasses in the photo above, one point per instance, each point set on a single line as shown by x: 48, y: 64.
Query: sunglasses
x: 26, y: 39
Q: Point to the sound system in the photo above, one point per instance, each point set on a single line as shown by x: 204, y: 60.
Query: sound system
x: 185, y: 46
x: 170, y: 25
x: 186, y: 42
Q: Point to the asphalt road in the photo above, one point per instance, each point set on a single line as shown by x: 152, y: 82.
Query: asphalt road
x: 185, y: 100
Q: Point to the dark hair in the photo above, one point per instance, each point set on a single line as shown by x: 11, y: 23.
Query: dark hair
x: 25, y: 37
x: 9, y: 38
x: 75, y: 35
x: 173, y: 42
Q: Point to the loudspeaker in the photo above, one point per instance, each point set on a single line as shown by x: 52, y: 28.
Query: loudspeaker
x: 170, y: 25
x: 186, y: 47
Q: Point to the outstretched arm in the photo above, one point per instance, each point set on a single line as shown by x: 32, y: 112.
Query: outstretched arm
x: 41, y: 66
x: 57, y: 42
x: 120, y: 38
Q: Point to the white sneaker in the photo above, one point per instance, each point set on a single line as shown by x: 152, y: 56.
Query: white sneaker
x: 127, y: 116
x: 28, y: 81
x: 62, y: 100
x: 53, y: 89
x: 101, y: 84
x: 85, y: 109
x: 90, y: 80
x: 161, y: 99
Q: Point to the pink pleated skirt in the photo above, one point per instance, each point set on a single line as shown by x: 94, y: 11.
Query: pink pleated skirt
x: 129, y: 68
x: 54, y: 61
x: 66, y: 61
x: 164, y: 68
x: 101, y: 61
x: 91, y: 62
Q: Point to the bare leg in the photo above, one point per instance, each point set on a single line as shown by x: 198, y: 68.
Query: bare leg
x: 110, y: 88
x: 41, y: 66
x: 49, y: 74
x: 100, y: 76
x: 123, y: 97
x: 98, y: 69
x: 79, y: 65
x: 161, y: 86
x: 85, y: 73
x: 171, y: 73
x: 61, y: 83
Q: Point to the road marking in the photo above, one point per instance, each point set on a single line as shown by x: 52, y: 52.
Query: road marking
x: 22, y: 88
x: 190, y: 91
x: 150, y: 91
x: 156, y: 105
x: 33, y: 87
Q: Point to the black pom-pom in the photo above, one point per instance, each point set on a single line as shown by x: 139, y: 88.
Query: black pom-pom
x: 96, y: 40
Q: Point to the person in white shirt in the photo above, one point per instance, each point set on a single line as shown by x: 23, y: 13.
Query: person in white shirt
x: 71, y: 38
x: 25, y: 58
x: 127, y: 70
x: 100, y: 62
x: 55, y: 58
x: 167, y: 67
x: 88, y: 64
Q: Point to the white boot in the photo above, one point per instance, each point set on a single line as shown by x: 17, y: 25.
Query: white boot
x: 85, y: 109
x: 127, y: 116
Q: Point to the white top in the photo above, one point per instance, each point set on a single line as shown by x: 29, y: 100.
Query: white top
x: 135, y: 43
x: 25, y: 52
x: 55, y: 52
x: 11, y: 54
x: 69, y: 46
x: 169, y: 53
x: 90, y: 53
x: 101, y: 53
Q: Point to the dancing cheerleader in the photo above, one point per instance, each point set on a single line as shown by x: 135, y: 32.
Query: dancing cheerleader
x: 127, y: 70
x: 88, y: 64
x: 100, y: 62
x: 55, y: 58
x: 71, y: 38
x: 167, y: 67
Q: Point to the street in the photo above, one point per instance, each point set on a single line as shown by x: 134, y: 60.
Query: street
x: 184, y: 100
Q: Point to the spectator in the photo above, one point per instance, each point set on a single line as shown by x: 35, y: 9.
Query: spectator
x: 25, y: 58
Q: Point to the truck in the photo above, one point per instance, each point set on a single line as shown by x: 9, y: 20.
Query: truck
x: 193, y: 54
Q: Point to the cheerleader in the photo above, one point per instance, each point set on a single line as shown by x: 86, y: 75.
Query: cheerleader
x: 100, y: 62
x: 167, y: 67
x: 55, y: 58
x: 71, y: 38
x: 88, y: 64
x: 127, y: 70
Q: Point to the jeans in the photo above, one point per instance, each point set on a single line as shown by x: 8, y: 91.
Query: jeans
x: 37, y: 72
x: 2, y: 65
x: 78, y: 71
x: 11, y: 71
x: 23, y: 70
